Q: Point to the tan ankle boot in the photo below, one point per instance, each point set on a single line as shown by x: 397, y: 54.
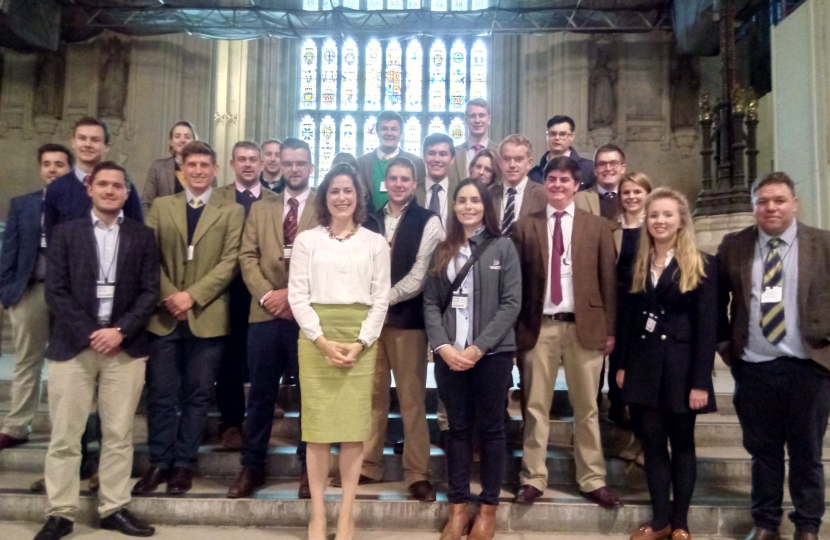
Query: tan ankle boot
x: 457, y: 524
x: 484, y: 526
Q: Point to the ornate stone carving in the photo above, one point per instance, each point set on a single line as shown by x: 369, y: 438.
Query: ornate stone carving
x: 685, y: 85
x: 602, y: 98
x: 50, y: 81
x: 115, y: 69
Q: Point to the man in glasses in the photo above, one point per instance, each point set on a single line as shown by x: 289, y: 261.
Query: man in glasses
x: 560, y: 135
x: 601, y: 198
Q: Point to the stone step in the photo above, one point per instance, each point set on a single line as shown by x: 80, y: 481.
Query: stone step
x: 716, y: 466
x: 714, y: 511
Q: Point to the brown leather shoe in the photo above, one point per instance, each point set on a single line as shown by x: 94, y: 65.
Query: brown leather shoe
x: 527, y: 494
x: 458, y: 522
x: 181, y: 480
x: 232, y: 439
x: 151, y: 481
x: 484, y: 526
x: 336, y: 481
x: 603, y: 497
x: 805, y: 536
x: 759, y: 533
x: 680, y: 534
x: 647, y: 533
x: 7, y: 441
x: 422, y: 490
x: 38, y: 486
x: 279, y: 412
x: 304, y: 492
x: 94, y: 482
x: 246, y: 482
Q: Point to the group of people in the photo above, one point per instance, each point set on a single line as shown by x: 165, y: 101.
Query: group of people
x: 475, y: 256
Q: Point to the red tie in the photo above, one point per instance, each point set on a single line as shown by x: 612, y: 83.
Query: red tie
x: 556, y: 261
x: 477, y: 148
x: 289, y: 224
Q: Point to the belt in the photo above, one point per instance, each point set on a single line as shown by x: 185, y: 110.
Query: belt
x: 563, y: 317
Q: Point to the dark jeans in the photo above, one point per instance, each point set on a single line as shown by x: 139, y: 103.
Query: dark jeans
x: 475, y: 398
x: 181, y: 371
x: 271, y: 346
x: 784, y: 402
x: 666, y: 473
x: 230, y: 382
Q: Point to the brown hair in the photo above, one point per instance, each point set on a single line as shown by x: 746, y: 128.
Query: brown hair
x: 245, y: 144
x: 91, y: 121
x: 181, y: 123
x: 321, y: 200
x: 608, y: 148
x: 108, y: 166
x: 52, y: 147
x: 198, y: 148
x: 635, y: 177
x: 563, y: 164
x: 494, y: 161
x: 448, y: 249
x: 769, y: 179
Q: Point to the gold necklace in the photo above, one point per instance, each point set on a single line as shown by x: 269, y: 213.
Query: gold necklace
x: 341, y: 238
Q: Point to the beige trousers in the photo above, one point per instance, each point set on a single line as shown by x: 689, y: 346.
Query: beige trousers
x: 30, y: 332
x: 559, y: 345
x: 404, y: 353
x: 120, y: 379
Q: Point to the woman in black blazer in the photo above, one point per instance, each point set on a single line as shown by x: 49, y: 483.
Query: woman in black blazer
x: 669, y: 343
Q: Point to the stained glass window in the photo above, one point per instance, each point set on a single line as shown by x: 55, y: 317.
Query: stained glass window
x: 351, y: 4
x: 438, y: 76
x: 393, y: 76
x: 308, y: 75
x: 412, y: 135
x: 370, y: 136
x: 394, y: 4
x: 311, y: 5
x: 458, y: 76
x: 458, y: 130
x: 328, y: 4
x: 478, y: 70
x: 374, y: 4
x: 328, y: 84
x: 479, y: 4
x: 414, y: 75
x: 439, y: 5
x: 348, y: 83
x: 413, y: 4
x: 348, y: 135
x: 459, y: 5
x: 374, y: 68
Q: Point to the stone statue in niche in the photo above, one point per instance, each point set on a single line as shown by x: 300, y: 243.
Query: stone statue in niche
x: 115, y: 67
x: 602, y: 99
x: 685, y: 88
x: 50, y: 79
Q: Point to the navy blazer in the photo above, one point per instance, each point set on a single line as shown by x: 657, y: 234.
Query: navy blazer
x: 21, y: 244
x: 72, y: 278
x: 67, y: 199
x: 586, y: 166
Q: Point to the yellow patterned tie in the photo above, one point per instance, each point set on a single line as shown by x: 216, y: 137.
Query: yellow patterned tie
x: 387, y: 157
x: 772, y: 313
x: 195, y: 203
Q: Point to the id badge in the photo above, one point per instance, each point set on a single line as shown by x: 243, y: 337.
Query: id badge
x: 566, y: 270
x: 105, y: 290
x: 651, y: 323
x: 772, y: 295
x: 286, y: 252
x: 383, y: 187
x: 43, y: 241
x: 189, y: 253
x: 459, y: 301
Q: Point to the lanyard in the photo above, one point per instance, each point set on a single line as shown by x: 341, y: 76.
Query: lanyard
x: 114, y: 255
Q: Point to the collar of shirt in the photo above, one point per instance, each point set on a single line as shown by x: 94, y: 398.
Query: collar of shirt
x: 569, y: 210
x: 624, y: 225
x: 256, y: 189
x: 380, y: 153
x: 520, y: 187
x: 80, y: 174
x: 602, y: 191
x: 485, y: 142
x: 388, y: 213
x: 204, y: 197
x: 445, y: 183
x: 788, y: 236
x: 301, y: 198
x: 96, y: 222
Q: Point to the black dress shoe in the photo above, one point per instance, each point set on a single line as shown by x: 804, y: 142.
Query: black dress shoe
x: 290, y: 380
x: 56, y: 527
x: 7, y: 441
x: 397, y: 449
x: 763, y: 534
x: 800, y: 535
x: 422, y: 490
x: 151, y: 481
x: 604, y: 497
x: 527, y: 494
x: 125, y: 522
x: 181, y: 480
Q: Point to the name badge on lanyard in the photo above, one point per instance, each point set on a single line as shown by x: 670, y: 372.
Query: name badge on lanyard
x: 459, y: 300
x: 651, y: 323
x: 105, y: 290
x: 772, y: 295
x: 43, y: 241
x: 286, y: 252
x: 189, y: 253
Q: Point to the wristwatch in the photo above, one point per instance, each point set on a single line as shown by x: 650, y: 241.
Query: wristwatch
x: 123, y: 335
x: 362, y: 343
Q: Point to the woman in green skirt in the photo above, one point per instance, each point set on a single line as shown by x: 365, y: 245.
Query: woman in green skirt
x: 339, y: 292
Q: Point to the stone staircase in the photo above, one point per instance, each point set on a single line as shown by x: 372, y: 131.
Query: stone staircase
x: 720, y: 506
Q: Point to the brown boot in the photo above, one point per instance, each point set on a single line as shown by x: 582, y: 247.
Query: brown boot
x: 458, y: 522
x: 484, y: 526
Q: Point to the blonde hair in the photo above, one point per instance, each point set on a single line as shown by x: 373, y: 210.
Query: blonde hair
x: 689, y: 259
x: 517, y: 139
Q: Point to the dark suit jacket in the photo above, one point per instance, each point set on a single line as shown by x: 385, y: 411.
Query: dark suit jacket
x: 586, y: 166
x: 594, y: 271
x: 735, y: 256
x: 21, y: 244
x: 663, y: 366
x: 366, y: 162
x: 72, y: 276
x: 67, y: 199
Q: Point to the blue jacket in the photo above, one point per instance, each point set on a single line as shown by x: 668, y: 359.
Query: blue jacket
x: 21, y: 242
x: 67, y: 199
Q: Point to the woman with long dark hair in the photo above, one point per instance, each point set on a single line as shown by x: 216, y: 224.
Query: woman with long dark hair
x: 669, y: 339
x: 472, y: 298
x: 339, y: 293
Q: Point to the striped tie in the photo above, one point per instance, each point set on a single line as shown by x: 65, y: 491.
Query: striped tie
x: 509, y: 213
x: 772, y: 313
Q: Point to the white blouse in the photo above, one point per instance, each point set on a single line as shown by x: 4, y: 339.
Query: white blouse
x: 328, y: 271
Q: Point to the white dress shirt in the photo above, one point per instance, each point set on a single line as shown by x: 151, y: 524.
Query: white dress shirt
x: 654, y: 276
x: 255, y: 190
x: 442, y: 197
x: 106, y: 239
x: 565, y: 264
x: 472, y: 153
x: 301, y: 198
x: 463, y: 316
x: 325, y: 270
x: 517, y: 205
x: 80, y: 174
x: 413, y: 282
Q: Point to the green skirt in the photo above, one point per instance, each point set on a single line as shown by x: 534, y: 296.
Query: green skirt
x: 336, y: 402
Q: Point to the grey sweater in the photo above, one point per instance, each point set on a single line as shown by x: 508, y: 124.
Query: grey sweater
x: 497, y: 282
